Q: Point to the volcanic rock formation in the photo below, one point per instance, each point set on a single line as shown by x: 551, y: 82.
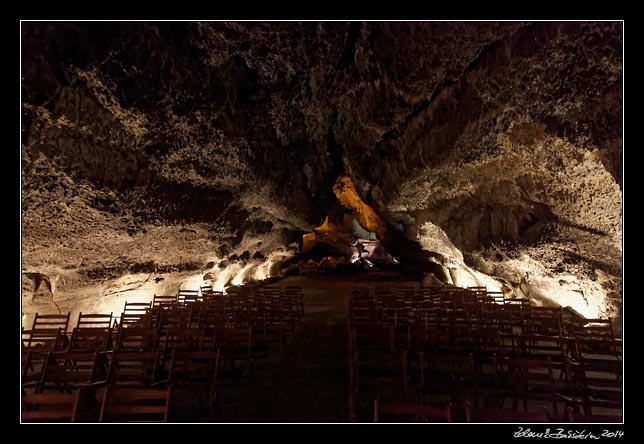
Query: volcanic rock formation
x: 156, y: 148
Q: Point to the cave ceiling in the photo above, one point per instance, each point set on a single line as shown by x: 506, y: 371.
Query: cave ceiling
x: 187, y: 146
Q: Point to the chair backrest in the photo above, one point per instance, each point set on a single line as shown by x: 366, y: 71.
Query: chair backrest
x: 48, y: 331
x: 206, y: 288
x: 94, y: 320
x: 272, y: 291
x: 185, y: 339
x: 526, y: 378
x: 209, y: 294
x: 135, y: 405
x: 71, y: 370
x: 496, y: 297
x: 460, y: 368
x: 51, y: 321
x: 194, y: 366
x: 362, y: 312
x: 132, y: 339
x: 160, y: 300
x: 137, y: 314
x: 371, y: 337
x: 137, y: 308
x: 187, y: 296
x: 506, y: 415
x: 50, y: 407
x: 235, y: 342
x: 90, y: 339
x: 410, y: 412
x: 599, y: 381
x: 547, y: 321
x: 542, y: 347
x: 597, y: 348
x: 176, y: 317
x: 134, y: 368
x: 360, y: 293
x: 590, y: 328
x: 47, y: 339
x: 577, y: 417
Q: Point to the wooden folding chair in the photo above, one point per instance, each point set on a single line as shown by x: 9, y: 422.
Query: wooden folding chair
x: 360, y: 293
x: 136, y: 338
x: 48, y: 332
x: 164, y: 301
x: 448, y: 378
x: 399, y: 412
x: 581, y: 418
x: 32, y: 363
x: 395, y: 313
x: 296, y: 297
x: 366, y: 337
x: 135, y: 405
x: 375, y: 374
x: 184, y: 339
x: 94, y: 320
x: 185, y: 297
x: 136, y: 369
x: 196, y: 372
x: 596, y: 348
x: 90, y: 339
x: 502, y: 415
x: 590, y: 328
x: 68, y: 371
x: 525, y: 379
x: 137, y: 314
x: 545, y: 347
x: 50, y: 407
x: 598, y: 382
x: 546, y: 321
x: 237, y: 360
x: 363, y: 313
x: 496, y: 297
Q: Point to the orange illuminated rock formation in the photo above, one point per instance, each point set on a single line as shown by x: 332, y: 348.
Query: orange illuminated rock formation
x: 359, y: 220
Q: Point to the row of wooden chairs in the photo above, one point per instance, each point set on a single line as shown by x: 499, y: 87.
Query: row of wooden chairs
x: 407, y: 303
x: 484, y: 342
x: 153, y: 345
x: 401, y: 412
x: 289, y: 295
x: 267, y: 306
x: 117, y: 405
x: 139, y: 347
x: 237, y: 343
x: 436, y: 379
x: 187, y: 369
x: 391, y: 359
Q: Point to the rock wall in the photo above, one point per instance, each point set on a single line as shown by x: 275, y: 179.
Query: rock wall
x: 171, y: 146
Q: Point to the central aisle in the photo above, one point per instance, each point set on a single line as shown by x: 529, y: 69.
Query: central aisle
x: 310, y: 380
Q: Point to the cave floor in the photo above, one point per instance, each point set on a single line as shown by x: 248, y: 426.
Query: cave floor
x: 308, y: 380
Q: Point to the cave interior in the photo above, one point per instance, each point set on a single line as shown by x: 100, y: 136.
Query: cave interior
x: 322, y: 221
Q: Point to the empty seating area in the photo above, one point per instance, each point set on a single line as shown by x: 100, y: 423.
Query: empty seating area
x: 186, y: 357
x: 366, y: 351
x: 446, y: 354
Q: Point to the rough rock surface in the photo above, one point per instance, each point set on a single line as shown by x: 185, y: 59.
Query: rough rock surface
x: 165, y: 147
